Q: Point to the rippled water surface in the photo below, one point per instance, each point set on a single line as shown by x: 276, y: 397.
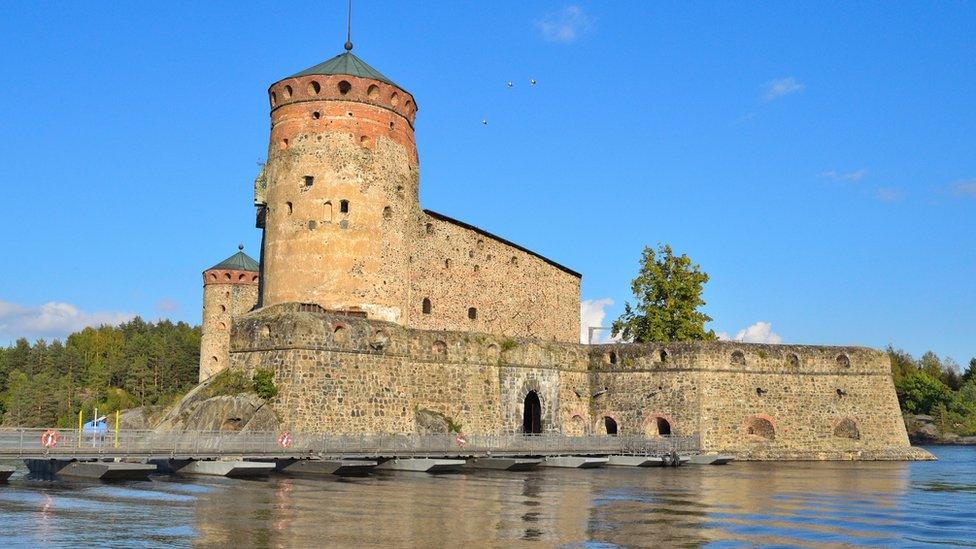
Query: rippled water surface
x: 742, y: 504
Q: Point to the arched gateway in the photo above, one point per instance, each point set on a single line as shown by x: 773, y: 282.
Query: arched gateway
x: 532, y: 414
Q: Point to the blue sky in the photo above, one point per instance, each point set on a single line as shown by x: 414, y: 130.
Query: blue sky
x: 818, y: 161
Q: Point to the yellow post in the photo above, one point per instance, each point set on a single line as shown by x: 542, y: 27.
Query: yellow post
x: 81, y: 422
x: 116, y: 428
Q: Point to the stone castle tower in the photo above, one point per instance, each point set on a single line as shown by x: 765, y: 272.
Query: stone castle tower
x: 230, y: 289
x: 338, y: 195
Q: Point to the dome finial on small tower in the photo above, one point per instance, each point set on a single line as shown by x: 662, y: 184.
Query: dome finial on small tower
x: 240, y: 247
x: 348, y: 44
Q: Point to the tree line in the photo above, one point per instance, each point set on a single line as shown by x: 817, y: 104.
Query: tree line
x: 936, y: 387
x: 110, y: 368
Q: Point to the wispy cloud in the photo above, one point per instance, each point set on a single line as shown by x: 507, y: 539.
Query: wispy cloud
x: 166, y: 305
x: 964, y: 189
x: 565, y: 25
x: 781, y: 87
x: 51, y: 320
x: 592, y: 315
x: 760, y: 332
x: 834, y: 175
x: 889, y: 194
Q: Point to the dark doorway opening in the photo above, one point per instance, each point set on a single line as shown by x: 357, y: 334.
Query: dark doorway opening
x: 532, y: 414
x: 663, y: 426
x: 611, y: 425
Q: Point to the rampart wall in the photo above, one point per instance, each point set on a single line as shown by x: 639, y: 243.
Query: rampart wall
x: 344, y: 374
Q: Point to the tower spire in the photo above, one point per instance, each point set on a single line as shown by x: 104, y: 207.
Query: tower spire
x: 348, y: 45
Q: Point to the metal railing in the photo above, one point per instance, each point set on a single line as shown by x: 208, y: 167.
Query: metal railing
x: 202, y: 444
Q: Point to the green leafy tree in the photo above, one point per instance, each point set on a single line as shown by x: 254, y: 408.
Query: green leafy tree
x: 919, y: 393
x: 667, y: 293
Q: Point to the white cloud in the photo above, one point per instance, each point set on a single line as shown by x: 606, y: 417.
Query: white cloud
x: 760, y: 332
x: 592, y: 314
x: 565, y: 25
x: 965, y: 188
x: 834, y: 175
x: 889, y: 194
x: 782, y: 87
x: 51, y: 320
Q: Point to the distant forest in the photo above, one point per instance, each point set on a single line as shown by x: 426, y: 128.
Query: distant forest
x: 134, y: 364
x: 152, y: 364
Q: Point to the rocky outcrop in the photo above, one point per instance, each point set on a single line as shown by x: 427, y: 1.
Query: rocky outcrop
x: 923, y: 430
x: 133, y: 419
x: 200, y: 411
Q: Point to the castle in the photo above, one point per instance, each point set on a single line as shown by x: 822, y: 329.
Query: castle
x: 377, y: 316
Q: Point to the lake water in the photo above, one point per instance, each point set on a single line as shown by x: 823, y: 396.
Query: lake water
x: 742, y: 504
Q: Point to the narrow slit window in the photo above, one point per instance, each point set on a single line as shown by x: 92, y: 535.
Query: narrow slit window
x: 344, y: 206
x: 472, y: 313
x: 426, y: 306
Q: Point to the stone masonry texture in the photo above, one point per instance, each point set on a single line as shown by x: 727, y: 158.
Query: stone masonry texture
x: 377, y: 316
x: 345, y: 374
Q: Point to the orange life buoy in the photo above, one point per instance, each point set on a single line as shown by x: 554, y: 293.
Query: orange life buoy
x: 285, y: 440
x: 49, y: 438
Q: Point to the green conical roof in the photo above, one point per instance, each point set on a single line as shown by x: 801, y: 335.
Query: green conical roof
x: 238, y: 262
x: 346, y: 63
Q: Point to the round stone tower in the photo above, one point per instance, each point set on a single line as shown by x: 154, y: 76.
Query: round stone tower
x: 230, y: 288
x: 339, y: 190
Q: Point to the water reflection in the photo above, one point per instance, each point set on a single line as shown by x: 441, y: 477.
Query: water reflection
x: 789, y: 504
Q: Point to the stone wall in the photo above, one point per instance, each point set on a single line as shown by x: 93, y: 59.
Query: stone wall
x: 226, y: 294
x: 475, y: 281
x: 344, y: 374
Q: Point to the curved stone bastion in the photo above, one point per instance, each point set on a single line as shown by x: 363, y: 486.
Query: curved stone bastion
x: 344, y: 374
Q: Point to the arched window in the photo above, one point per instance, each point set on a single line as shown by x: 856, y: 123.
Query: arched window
x: 663, y: 426
x: 425, y: 306
x: 439, y: 348
x: 847, y: 428
x: 613, y: 357
x: 611, y: 425
x: 344, y: 87
x: 343, y: 206
x: 738, y: 358
x: 843, y: 361
x: 761, y: 427
x: 793, y: 360
x: 663, y: 355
